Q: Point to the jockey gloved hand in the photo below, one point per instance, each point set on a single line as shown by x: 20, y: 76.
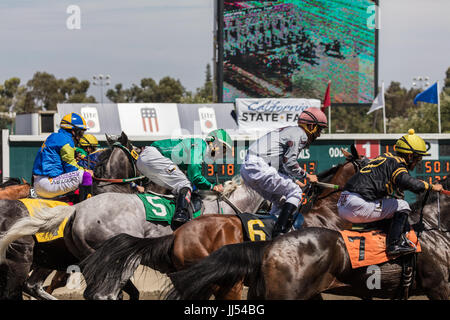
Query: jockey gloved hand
x: 437, y: 187
x: 218, y: 188
x: 312, y: 178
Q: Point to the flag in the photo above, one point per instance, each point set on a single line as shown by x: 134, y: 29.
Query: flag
x: 326, y: 99
x: 430, y: 95
x: 378, y: 103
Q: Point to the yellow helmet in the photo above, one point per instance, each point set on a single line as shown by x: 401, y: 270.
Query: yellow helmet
x: 88, y: 140
x: 411, y: 143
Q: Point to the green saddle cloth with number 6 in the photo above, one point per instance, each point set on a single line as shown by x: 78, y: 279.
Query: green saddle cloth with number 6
x: 159, y: 208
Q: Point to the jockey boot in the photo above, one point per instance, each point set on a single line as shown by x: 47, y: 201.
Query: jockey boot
x: 285, y: 219
x: 396, y: 242
x: 183, y: 201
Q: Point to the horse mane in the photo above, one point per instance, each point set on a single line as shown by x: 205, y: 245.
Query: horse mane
x: 10, y: 182
x: 100, y: 167
x: 231, y: 185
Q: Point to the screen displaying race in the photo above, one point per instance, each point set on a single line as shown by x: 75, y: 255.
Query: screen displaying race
x: 292, y: 48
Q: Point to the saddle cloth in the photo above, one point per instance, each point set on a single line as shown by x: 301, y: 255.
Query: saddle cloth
x: 257, y: 227
x: 369, y: 247
x: 162, y: 209
x: 35, y: 204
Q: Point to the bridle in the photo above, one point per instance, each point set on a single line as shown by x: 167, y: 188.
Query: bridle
x: 132, y: 157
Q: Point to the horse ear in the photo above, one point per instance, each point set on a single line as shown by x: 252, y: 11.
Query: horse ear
x: 123, y: 138
x: 354, y: 152
x: 347, y: 154
x: 24, y: 181
x: 109, y: 140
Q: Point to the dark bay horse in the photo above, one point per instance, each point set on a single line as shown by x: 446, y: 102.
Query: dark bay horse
x: 111, y: 265
x: 304, y: 263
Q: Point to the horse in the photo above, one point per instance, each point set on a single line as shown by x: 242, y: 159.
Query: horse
x: 302, y: 264
x: 14, y: 189
x: 89, y: 224
x: 192, y: 242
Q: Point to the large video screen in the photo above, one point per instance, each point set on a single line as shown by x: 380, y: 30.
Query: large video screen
x: 292, y: 48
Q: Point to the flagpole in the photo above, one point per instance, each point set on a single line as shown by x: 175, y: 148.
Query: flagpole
x: 329, y: 119
x: 384, y: 107
x: 439, y: 107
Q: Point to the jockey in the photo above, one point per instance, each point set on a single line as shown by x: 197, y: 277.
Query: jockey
x: 87, y: 153
x: 55, y: 170
x: 162, y: 161
x: 368, y: 195
x: 271, y: 164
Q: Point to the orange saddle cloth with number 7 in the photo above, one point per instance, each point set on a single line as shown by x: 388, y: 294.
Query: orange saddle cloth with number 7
x: 369, y: 247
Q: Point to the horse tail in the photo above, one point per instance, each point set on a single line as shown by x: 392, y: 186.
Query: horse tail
x: 224, y: 268
x: 118, y: 256
x: 45, y: 220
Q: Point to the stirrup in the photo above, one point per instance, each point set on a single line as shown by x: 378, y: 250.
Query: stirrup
x: 399, y: 249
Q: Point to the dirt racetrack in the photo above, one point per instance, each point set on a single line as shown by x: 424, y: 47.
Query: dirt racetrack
x: 151, y: 284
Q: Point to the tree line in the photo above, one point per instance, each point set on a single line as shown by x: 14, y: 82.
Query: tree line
x: 44, y: 91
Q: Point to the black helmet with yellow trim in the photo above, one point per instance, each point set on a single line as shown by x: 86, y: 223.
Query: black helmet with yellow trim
x: 411, y: 144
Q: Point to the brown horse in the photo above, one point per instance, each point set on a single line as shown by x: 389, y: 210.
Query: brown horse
x: 13, y: 189
x: 305, y: 263
x: 192, y: 242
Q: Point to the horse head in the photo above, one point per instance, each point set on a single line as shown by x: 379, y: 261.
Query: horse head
x: 116, y: 163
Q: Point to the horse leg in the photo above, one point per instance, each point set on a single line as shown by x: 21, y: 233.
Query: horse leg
x: 59, y: 280
x: 234, y: 294
x: 131, y: 289
x: 34, y: 284
x: 431, y: 278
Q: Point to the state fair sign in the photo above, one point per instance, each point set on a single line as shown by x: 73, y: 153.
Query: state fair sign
x: 269, y: 114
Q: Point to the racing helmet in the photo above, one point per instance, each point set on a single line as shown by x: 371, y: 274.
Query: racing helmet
x: 73, y: 121
x: 88, y: 140
x: 411, y: 143
x: 313, y: 115
x: 220, y: 138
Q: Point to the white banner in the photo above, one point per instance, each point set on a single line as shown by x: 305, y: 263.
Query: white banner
x: 269, y: 114
x: 207, y: 118
x: 90, y: 114
x: 142, y: 119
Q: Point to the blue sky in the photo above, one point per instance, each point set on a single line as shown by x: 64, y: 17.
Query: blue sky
x: 155, y: 38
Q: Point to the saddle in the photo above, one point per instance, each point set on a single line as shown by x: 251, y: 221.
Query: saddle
x: 366, y: 246
x: 366, y: 242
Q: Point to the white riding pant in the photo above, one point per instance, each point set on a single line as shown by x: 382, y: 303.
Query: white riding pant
x: 354, y: 208
x: 161, y: 170
x: 269, y: 183
x: 46, y: 187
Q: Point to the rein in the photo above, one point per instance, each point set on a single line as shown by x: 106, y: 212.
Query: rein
x: 421, y: 224
x: 357, y: 167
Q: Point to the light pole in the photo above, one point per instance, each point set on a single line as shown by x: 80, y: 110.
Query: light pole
x: 101, y: 81
x: 421, y: 81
